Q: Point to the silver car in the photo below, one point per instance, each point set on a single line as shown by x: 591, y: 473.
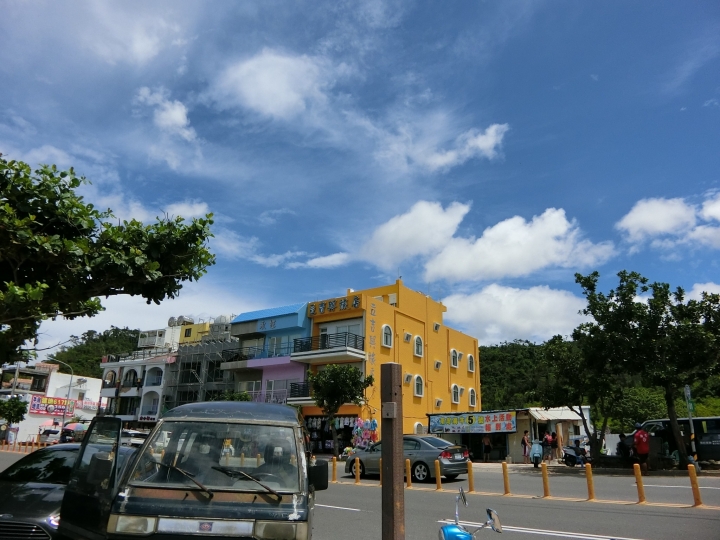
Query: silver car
x: 422, y: 451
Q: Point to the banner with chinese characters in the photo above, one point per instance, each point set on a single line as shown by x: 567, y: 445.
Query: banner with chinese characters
x: 348, y: 303
x: 51, y: 406
x: 495, y: 422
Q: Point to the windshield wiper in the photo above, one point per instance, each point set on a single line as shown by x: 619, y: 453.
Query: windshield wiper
x: 231, y: 472
x: 190, y: 477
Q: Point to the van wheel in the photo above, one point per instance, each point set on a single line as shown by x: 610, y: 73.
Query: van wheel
x: 362, y: 469
x: 420, y: 472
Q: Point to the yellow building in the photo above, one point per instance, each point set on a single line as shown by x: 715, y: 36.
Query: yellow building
x: 193, y: 333
x: 395, y: 324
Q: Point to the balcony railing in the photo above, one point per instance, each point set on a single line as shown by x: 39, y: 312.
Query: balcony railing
x: 109, y: 384
x: 153, y: 381
x: 329, y: 341
x: 269, y: 396
x: 149, y: 412
x: 300, y: 390
x: 250, y: 353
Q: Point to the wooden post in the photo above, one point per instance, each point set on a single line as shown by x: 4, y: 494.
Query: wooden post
x: 438, y: 479
x: 393, y: 495
x: 471, y: 478
x: 506, y: 478
x: 408, y: 474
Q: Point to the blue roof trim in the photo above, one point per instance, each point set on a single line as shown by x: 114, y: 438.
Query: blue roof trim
x: 271, y: 312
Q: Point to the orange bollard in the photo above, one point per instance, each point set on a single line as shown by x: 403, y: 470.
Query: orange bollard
x: 334, y: 470
x: 639, y: 482
x: 694, y: 484
x: 590, y: 482
x: 408, y: 475
x: 471, y: 478
x: 258, y: 460
x: 438, y: 480
x: 242, y: 459
x: 506, y: 478
x: 546, y: 481
x: 357, y: 470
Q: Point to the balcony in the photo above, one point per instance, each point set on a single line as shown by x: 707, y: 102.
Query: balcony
x: 269, y: 396
x: 300, y: 394
x: 329, y: 348
x: 153, y: 381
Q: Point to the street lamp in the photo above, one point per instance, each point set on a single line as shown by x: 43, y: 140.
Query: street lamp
x: 68, y: 392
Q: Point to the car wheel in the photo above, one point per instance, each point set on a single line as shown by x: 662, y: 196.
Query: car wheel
x: 420, y: 472
x: 451, y: 476
x: 362, y: 468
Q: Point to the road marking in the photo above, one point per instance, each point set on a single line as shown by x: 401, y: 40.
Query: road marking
x: 545, y: 532
x: 683, y: 487
x: 339, y: 507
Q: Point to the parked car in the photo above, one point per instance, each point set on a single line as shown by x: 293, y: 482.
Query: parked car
x: 50, y: 436
x: 131, y: 437
x: 31, y: 491
x: 422, y: 451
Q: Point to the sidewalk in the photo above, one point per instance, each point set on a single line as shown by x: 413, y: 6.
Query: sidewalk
x: 560, y: 468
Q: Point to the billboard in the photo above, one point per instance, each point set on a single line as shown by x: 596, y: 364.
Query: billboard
x: 51, y: 406
x: 494, y: 422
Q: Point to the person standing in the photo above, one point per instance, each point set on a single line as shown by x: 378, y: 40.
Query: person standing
x: 553, y: 446
x: 525, y: 443
x: 487, y: 448
x: 641, y: 441
x: 546, y: 446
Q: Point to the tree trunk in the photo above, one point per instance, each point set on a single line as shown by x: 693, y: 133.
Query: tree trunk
x: 672, y: 414
x: 331, y: 419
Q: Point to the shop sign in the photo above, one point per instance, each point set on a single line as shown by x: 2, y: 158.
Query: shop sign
x: 496, y: 422
x: 334, y: 305
x: 51, y: 405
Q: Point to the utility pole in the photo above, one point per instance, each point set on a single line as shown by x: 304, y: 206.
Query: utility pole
x: 393, y: 493
x: 14, y: 385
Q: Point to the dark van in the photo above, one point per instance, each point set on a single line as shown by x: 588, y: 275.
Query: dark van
x: 707, y: 435
x: 216, y: 469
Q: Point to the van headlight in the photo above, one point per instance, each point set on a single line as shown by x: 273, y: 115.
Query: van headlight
x: 281, y: 530
x: 141, y: 525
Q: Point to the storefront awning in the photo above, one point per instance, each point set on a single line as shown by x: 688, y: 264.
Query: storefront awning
x: 558, y: 414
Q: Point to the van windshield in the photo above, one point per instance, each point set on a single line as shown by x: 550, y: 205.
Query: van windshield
x: 220, y: 456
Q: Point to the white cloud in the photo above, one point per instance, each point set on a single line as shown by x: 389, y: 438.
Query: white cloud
x: 231, y: 245
x: 653, y: 217
x: 670, y: 222
x: 423, y: 230
x: 711, y: 103
x: 516, y: 247
x: 169, y: 116
x: 197, y: 299
x: 273, y: 84
x: 469, y: 145
x: 698, y: 288
x: 595, y: 77
x: 328, y: 261
x: 703, y: 49
x: 497, y: 313
x: 188, y: 209
x: 270, y: 217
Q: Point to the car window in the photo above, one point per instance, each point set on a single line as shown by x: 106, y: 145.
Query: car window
x: 51, y: 466
x: 409, y: 444
x: 376, y: 448
x: 437, y: 443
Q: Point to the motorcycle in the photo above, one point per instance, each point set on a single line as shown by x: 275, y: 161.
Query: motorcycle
x: 455, y: 531
x: 536, y: 453
x: 570, y: 456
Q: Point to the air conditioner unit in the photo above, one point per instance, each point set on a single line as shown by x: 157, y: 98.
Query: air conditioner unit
x: 436, y: 327
x: 407, y: 337
x: 408, y: 378
x: 438, y: 363
x: 462, y: 390
x: 438, y: 402
x: 460, y: 355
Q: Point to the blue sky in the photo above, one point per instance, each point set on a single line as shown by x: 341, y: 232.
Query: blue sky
x: 485, y: 151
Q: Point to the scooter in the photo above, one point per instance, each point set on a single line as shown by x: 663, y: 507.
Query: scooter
x: 536, y: 453
x: 455, y: 531
x: 570, y: 456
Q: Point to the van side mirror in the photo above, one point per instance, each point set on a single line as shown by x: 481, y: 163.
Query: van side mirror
x: 318, y: 475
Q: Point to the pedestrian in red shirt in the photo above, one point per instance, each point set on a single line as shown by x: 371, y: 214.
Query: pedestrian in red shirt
x: 642, y: 446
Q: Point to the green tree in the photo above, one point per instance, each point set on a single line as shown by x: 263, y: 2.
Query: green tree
x: 667, y: 340
x: 509, y: 374
x: 86, y: 351
x: 58, y: 254
x: 229, y: 395
x: 13, y: 410
x: 636, y: 404
x: 336, y: 385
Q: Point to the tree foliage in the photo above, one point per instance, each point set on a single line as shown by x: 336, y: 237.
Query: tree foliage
x: 58, y: 254
x: 336, y: 385
x: 229, y: 395
x: 86, y: 351
x: 665, y: 339
x: 13, y: 410
x: 509, y: 374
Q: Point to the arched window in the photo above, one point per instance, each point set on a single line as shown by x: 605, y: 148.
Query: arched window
x: 455, y: 393
x: 471, y: 363
x: 387, y: 336
x: 419, y: 429
x: 418, y: 346
x: 472, y: 398
x: 419, y: 386
x: 109, y: 379
x: 453, y: 358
